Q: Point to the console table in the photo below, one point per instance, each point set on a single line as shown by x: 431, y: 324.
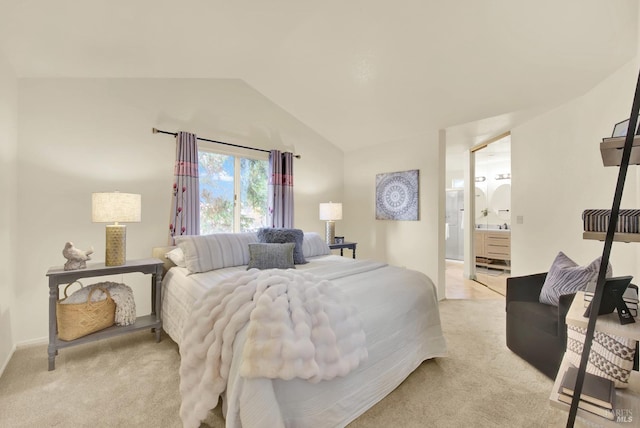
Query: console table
x: 57, y: 276
x: 342, y: 245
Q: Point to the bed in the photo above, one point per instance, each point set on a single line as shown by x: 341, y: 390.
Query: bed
x: 398, y: 309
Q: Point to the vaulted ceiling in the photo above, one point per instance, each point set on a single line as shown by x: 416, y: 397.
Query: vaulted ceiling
x: 358, y: 72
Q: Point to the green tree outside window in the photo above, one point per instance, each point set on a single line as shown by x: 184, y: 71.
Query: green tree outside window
x: 225, y: 180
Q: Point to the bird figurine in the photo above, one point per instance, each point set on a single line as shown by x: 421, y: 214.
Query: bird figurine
x: 76, y: 258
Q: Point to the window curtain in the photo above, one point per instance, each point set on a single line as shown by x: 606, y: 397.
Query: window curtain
x: 185, y: 205
x: 281, y: 189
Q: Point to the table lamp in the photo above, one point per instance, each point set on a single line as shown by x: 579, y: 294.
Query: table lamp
x: 330, y: 211
x: 115, y: 207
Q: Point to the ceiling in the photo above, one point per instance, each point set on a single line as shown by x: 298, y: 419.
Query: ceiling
x: 358, y: 72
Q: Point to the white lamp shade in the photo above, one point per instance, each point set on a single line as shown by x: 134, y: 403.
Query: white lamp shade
x: 116, y: 207
x: 331, y: 211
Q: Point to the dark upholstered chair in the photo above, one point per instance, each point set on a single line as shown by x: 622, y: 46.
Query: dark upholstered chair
x: 535, y: 331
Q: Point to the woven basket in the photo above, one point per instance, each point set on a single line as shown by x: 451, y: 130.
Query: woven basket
x: 79, y: 319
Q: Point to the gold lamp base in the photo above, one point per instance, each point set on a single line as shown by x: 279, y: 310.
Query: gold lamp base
x: 116, y: 245
x: 330, y: 232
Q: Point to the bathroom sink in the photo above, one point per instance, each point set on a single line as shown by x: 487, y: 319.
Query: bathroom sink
x: 493, y: 228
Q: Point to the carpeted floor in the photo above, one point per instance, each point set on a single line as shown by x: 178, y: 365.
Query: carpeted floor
x: 131, y: 381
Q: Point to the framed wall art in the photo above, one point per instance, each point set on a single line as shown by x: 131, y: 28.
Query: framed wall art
x: 397, y: 195
x: 620, y: 129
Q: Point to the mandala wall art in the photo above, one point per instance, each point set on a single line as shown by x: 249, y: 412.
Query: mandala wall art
x: 397, y: 196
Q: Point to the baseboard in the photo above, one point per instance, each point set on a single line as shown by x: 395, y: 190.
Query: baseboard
x: 25, y: 344
x: 6, y: 362
x: 33, y: 342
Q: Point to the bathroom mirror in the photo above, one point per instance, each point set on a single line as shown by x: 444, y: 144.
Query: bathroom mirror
x: 501, y: 201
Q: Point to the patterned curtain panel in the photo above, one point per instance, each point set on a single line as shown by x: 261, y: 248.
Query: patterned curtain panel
x: 185, y: 205
x: 281, y: 189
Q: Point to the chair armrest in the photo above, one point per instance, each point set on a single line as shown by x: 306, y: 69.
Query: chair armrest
x: 525, y: 288
x: 564, y: 303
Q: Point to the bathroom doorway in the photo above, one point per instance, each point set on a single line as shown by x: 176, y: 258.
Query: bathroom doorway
x: 492, y: 213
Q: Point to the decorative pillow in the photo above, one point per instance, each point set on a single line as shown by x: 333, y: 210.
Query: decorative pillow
x: 314, y: 245
x: 271, y: 256
x: 611, y: 356
x: 282, y: 236
x: 566, y: 277
x: 177, y: 257
x: 203, y: 253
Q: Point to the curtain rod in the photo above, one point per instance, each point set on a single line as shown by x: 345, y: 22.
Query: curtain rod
x: 157, y: 131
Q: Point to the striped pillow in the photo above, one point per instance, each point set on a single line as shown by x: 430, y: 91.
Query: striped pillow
x: 203, y: 253
x: 566, y: 277
x: 314, y: 245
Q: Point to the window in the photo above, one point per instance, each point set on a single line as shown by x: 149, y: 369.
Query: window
x: 233, y: 192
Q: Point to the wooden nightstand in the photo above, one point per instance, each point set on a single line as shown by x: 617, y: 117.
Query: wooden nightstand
x: 343, y: 245
x: 57, y: 276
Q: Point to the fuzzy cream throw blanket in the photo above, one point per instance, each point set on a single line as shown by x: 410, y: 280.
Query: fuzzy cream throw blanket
x: 299, y: 327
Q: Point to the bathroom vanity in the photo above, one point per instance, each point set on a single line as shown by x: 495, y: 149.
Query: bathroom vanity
x: 493, y: 248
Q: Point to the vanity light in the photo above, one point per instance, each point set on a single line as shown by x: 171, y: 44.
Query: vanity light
x: 506, y: 176
x: 480, y: 179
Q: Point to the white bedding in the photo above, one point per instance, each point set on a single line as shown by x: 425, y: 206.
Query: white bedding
x: 399, y: 312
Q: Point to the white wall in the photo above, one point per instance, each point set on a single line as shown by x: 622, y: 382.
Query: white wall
x: 414, y: 244
x: 78, y: 136
x: 8, y: 149
x: 557, y: 173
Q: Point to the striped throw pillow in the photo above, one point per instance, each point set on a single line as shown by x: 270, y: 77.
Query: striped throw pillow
x: 566, y: 277
x: 203, y: 253
x: 313, y: 245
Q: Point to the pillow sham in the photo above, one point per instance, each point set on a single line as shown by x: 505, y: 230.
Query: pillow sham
x: 314, y: 245
x: 203, y: 253
x: 271, y: 256
x: 282, y: 236
x: 177, y: 257
x: 565, y: 277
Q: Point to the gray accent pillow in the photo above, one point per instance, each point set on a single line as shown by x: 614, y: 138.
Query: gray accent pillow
x: 271, y: 256
x: 566, y: 277
x: 283, y: 235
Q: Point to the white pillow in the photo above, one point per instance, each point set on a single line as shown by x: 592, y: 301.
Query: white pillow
x: 314, y: 245
x: 177, y: 257
x: 203, y: 253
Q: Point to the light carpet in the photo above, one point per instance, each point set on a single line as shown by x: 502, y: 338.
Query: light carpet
x: 131, y: 381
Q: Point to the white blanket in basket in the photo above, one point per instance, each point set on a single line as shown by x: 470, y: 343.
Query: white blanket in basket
x: 299, y: 327
x: 121, y: 294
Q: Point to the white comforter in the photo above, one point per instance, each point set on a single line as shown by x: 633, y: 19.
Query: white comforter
x: 399, y: 313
